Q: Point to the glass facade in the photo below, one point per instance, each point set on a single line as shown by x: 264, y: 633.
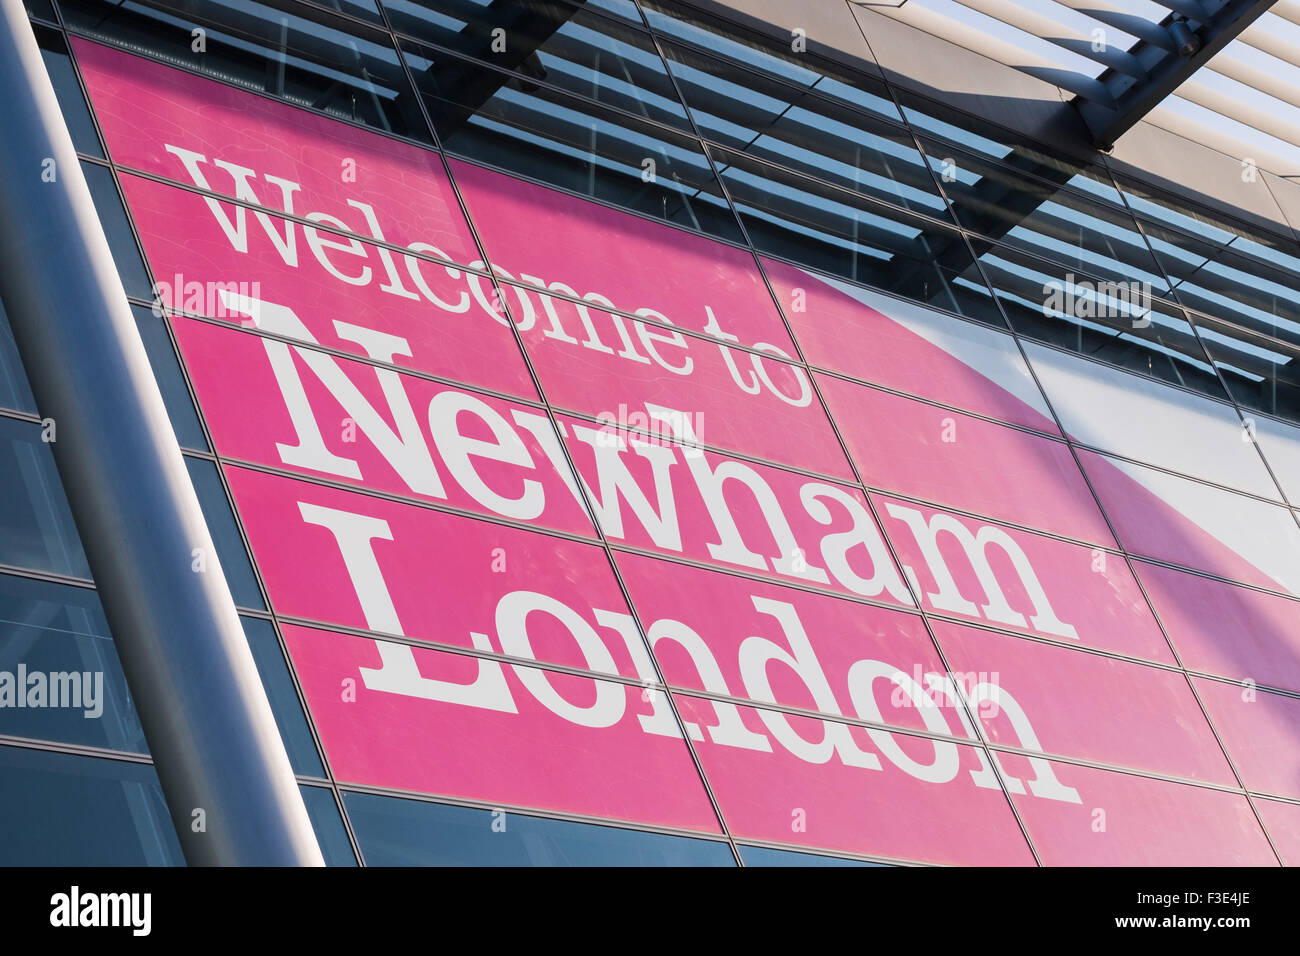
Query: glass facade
x: 537, y: 362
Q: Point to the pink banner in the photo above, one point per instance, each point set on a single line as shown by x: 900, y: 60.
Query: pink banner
x: 543, y: 237
x: 407, y: 311
x: 1108, y: 699
x: 741, y: 638
x: 364, y: 562
x: 503, y: 734
x: 274, y: 404
x: 951, y: 459
x: 1015, y: 580
x: 906, y: 347
x: 600, y: 364
x: 1225, y: 629
x: 186, y: 128
x: 873, y: 808
x: 1127, y: 820
x: 1282, y: 820
x: 1260, y: 730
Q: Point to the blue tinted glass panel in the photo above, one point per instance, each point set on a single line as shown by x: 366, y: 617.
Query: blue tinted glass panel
x: 126, y: 254
x: 393, y: 832
x: 225, y: 533
x: 15, y: 393
x: 36, y: 527
x: 560, y: 140
x: 63, y: 810
x: 171, y: 380
x: 556, y: 42
x: 58, y: 64
x: 766, y: 856
x: 297, y: 53
x: 60, y: 678
x: 1052, y: 303
x: 327, y: 823
x: 283, y: 697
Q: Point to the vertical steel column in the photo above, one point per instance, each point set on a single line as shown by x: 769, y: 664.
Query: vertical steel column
x: 205, y: 714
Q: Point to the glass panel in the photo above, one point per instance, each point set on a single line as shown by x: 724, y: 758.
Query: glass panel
x: 121, y: 239
x: 555, y: 42
x: 306, y: 57
x: 1020, y: 581
x: 892, y: 342
x: 1038, y: 217
x: 839, y: 232
x: 1109, y: 699
x: 1261, y: 372
x: 36, y: 527
x: 470, y: 728
x: 840, y: 787
x: 1254, y: 288
x: 171, y: 380
x: 1260, y: 730
x: 1224, y: 629
x: 568, y: 142
x: 40, y: 8
x: 766, y: 856
x: 325, y: 820
x: 56, y: 654
x: 225, y: 533
x: 1049, y: 302
x: 1146, y: 822
x: 395, y: 832
x: 948, y: 458
x: 58, y: 64
x: 1190, y: 524
x: 1142, y: 419
x: 804, y: 131
x: 285, y: 704
x: 231, y: 142
x: 610, y: 258
x: 15, y: 392
x: 1017, y: 153
x: 61, y: 810
x: 769, y: 58
x: 1283, y: 823
x: 731, y: 636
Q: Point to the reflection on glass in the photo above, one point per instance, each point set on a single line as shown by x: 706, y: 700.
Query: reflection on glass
x: 55, y: 642
x: 556, y: 42
x: 393, y: 832
x: 949, y: 127
x: 803, y: 130
x: 225, y: 533
x: 1111, y: 321
x: 1246, y: 283
x: 535, y: 131
x: 327, y: 823
x: 769, y: 58
x: 836, y: 231
x: 1262, y: 373
x: 61, y: 810
x: 171, y: 381
x: 1042, y: 217
x: 280, y: 691
x: 307, y: 58
x: 121, y: 240
x: 36, y: 527
x: 58, y: 64
x: 15, y: 392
